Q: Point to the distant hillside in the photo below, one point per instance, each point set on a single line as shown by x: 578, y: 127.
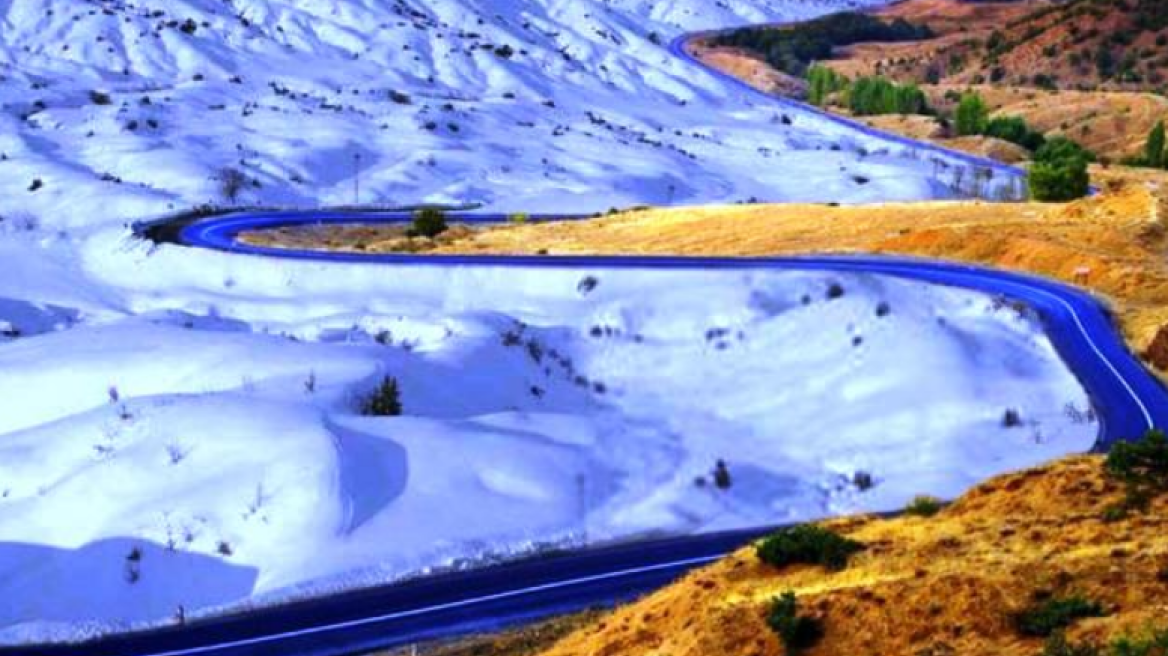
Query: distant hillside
x: 1083, y: 44
x: 1093, y: 70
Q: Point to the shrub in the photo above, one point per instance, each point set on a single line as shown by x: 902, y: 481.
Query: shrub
x: 1060, y: 182
x: 822, y: 82
x: 1057, y: 645
x: 972, y: 115
x: 870, y: 96
x: 384, y: 401
x: 796, y: 632
x: 519, y: 217
x: 1154, y: 153
x: 1141, y: 466
x: 1011, y: 418
x: 429, y: 222
x: 100, y: 98
x: 807, y: 543
x: 1059, y: 172
x: 1155, y: 644
x: 1015, y: 130
x: 1046, y: 618
x: 231, y: 182
x: 722, y: 476
x: 1061, y: 148
x: 923, y: 506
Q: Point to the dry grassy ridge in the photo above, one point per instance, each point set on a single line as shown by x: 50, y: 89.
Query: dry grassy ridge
x: 943, y: 585
x: 1112, y: 116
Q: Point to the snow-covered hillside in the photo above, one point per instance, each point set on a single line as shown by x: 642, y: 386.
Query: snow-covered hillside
x: 208, y: 449
x: 560, y: 105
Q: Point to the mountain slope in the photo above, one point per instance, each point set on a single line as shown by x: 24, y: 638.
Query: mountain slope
x: 543, y: 105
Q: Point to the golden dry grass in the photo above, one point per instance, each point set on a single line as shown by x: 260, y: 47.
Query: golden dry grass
x: 925, y: 586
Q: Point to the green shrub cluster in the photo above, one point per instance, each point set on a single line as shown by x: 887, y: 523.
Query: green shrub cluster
x: 822, y: 82
x: 809, y: 544
x: 1059, y: 171
x: 973, y: 118
x: 1015, y: 130
x: 866, y: 96
x: 872, y: 96
x: 1142, y: 467
x: 923, y: 506
x: 1052, y: 615
x: 795, y: 631
x: 1152, y: 644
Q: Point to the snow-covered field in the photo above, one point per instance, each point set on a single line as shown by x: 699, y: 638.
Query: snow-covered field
x: 558, y: 105
x: 540, y: 406
x: 178, y: 428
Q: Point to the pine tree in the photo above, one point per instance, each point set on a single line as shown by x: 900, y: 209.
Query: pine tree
x: 1154, y: 152
x: 385, y: 401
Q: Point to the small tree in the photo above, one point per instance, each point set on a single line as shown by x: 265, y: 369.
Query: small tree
x: 429, y: 222
x: 972, y: 115
x: 795, y: 631
x: 722, y: 476
x: 231, y: 182
x: 822, y: 82
x: 1154, y: 154
x: 1059, y: 172
x: 1059, y: 182
x: 385, y: 401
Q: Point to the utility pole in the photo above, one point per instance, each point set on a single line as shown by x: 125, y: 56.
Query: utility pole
x: 356, y: 179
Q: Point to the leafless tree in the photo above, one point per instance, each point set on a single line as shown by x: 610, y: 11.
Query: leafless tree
x: 231, y: 183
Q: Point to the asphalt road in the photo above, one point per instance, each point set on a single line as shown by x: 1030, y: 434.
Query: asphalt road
x: 1128, y: 400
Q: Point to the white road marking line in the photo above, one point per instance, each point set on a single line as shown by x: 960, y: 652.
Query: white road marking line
x: 438, y: 607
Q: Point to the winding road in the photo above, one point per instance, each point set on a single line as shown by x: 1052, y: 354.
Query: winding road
x: 1127, y: 398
